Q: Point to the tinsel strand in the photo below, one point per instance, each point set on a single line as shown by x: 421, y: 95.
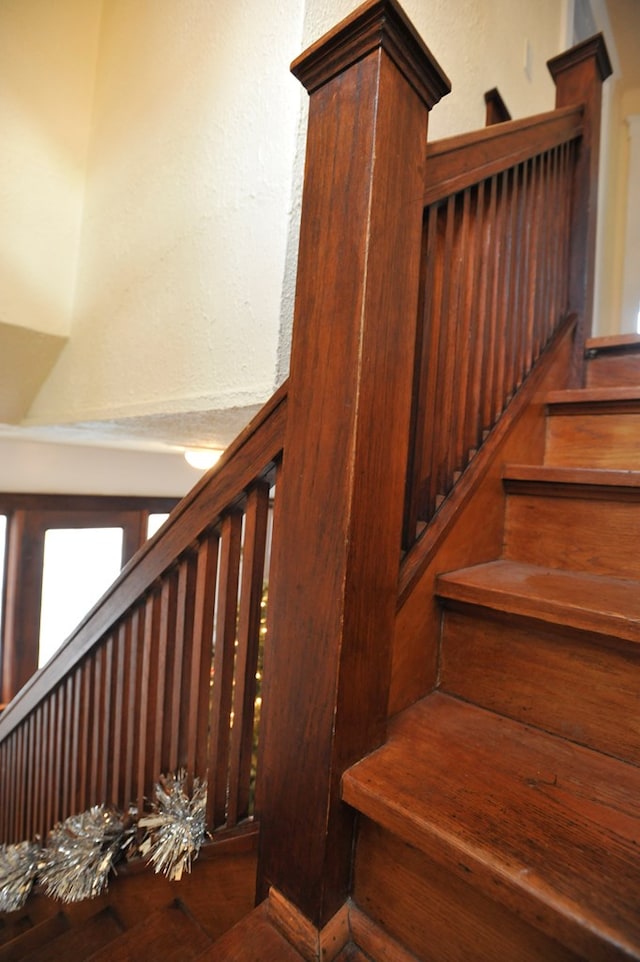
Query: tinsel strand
x: 18, y: 869
x: 177, y: 826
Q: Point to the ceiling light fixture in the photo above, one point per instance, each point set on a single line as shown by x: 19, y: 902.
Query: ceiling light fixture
x: 202, y: 458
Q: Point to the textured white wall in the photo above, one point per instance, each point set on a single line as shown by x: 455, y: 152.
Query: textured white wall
x: 47, y: 67
x: 42, y: 467
x: 479, y: 45
x: 185, y: 230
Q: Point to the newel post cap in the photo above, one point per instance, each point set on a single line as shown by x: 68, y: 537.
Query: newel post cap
x: 377, y: 24
x: 594, y: 47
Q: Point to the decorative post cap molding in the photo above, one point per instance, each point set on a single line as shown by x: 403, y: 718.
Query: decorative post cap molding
x: 592, y: 47
x: 376, y: 24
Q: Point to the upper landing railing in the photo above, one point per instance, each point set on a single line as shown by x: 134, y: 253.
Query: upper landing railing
x: 429, y: 281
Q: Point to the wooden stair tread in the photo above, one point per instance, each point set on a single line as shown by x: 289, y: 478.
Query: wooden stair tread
x: 81, y: 940
x: 32, y: 938
x: 253, y: 939
x: 574, y: 598
x: 597, y: 479
x: 614, y: 342
x: 604, y: 399
x: 547, y: 827
x: 170, y: 934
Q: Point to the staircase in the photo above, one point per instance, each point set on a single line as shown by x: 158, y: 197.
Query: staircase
x: 501, y: 818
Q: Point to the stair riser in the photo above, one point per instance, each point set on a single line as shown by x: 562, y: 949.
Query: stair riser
x: 599, y: 440
x: 617, y: 370
x: 579, y: 533
x: 570, y: 683
x: 436, y: 915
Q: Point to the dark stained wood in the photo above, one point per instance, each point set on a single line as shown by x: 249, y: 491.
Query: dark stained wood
x: 252, y: 454
x: 589, y: 602
x: 204, y: 607
x: 483, y: 796
x: 497, y: 111
x: 223, y: 667
x: 253, y: 939
x: 346, y: 447
x: 434, y: 913
x: 578, y: 75
x: 455, y: 163
x: 248, y: 641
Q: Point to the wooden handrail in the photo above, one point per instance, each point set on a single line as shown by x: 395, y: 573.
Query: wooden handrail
x: 161, y: 674
x: 257, y: 445
x: 458, y: 162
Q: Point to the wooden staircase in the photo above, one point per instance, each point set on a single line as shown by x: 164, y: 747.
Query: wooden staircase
x: 501, y: 818
x: 142, y: 916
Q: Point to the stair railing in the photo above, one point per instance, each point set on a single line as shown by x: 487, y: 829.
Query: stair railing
x: 161, y: 674
x: 494, y: 286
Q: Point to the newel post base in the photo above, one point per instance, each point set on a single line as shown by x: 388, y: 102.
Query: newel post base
x: 578, y: 75
x: 339, y: 511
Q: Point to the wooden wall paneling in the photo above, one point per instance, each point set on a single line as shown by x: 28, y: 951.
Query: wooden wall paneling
x: 21, y: 608
x: 199, y: 709
x: 254, y: 547
x: 334, y: 589
x: 223, y: 665
x: 578, y: 75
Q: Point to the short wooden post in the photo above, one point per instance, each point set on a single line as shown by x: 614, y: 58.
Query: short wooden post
x: 578, y: 75
x: 339, y: 509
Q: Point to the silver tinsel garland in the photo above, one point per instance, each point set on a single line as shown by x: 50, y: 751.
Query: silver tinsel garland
x: 80, y: 854
x: 177, y: 827
x: 18, y: 868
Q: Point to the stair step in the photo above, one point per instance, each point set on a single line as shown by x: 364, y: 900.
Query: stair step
x: 81, y: 940
x: 555, y: 517
x: 598, y: 427
x: 253, y: 939
x: 613, y: 360
x: 548, y: 828
x: 170, y: 934
x: 33, y: 938
x: 506, y: 623
x: 594, y: 603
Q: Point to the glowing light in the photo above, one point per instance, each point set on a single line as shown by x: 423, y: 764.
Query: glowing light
x: 202, y: 458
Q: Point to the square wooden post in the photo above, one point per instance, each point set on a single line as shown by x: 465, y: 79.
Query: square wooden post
x: 339, y: 509
x: 578, y: 75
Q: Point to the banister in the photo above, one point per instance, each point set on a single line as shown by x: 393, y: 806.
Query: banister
x: 255, y: 447
x: 455, y: 163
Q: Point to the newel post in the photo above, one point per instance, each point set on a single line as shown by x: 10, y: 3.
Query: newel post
x: 336, y: 558
x: 578, y: 75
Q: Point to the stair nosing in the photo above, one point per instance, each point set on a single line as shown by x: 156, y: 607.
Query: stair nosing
x: 500, y: 872
x: 451, y: 586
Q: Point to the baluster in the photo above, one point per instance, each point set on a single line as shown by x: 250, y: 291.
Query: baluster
x: 515, y: 281
x: 19, y: 770
x: 255, y: 538
x: 117, y: 715
x: 434, y: 281
x: 59, y: 722
x: 200, y: 684
x: 67, y: 750
x: 492, y: 250
x: 86, y: 714
x: 146, y: 772
x: 183, y: 695
x: 166, y: 662
x: 97, y: 699
x: 131, y: 700
x: 223, y: 663
x: 524, y: 232
x: 446, y: 350
x: 74, y: 789
x: 460, y: 442
x: 106, y: 735
x: 478, y: 310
